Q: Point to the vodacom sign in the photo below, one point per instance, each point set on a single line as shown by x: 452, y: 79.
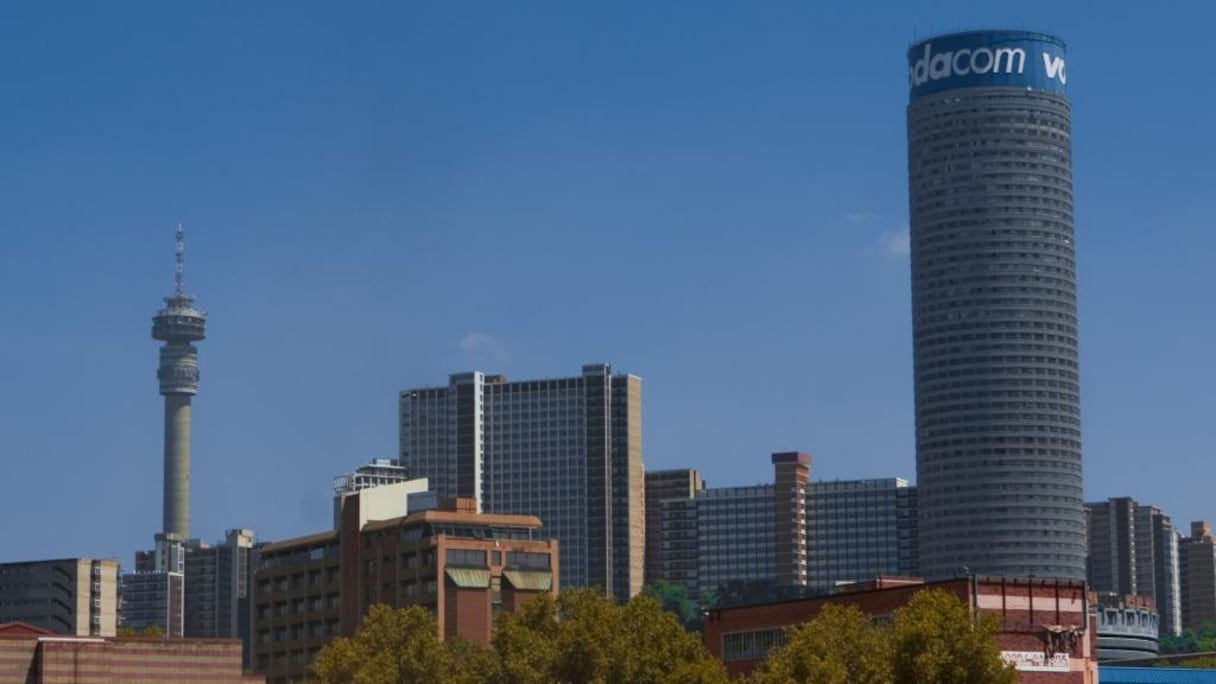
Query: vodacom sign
x: 987, y: 58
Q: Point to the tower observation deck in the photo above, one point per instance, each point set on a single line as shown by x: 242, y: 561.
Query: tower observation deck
x: 178, y: 325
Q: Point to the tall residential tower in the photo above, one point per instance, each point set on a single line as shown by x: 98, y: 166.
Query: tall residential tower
x: 567, y: 450
x: 994, y: 307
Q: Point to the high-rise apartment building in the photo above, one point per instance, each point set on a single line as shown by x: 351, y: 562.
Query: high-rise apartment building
x: 77, y: 596
x: 567, y: 450
x: 860, y: 529
x: 1133, y: 550
x: 680, y: 484
x: 1197, y: 564
x: 736, y: 537
x: 207, y: 596
x: 994, y: 307
x: 823, y: 533
x: 218, y: 587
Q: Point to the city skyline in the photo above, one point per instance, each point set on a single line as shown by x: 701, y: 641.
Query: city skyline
x: 370, y: 209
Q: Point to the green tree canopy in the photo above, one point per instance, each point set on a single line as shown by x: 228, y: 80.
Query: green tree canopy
x: 585, y: 638
x: 935, y: 638
x: 932, y: 639
x: 674, y: 599
x: 1199, y: 640
x: 396, y: 646
x: 581, y: 638
x: 839, y: 646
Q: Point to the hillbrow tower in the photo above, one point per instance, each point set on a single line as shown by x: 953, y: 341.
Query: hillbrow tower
x: 178, y: 325
x: 994, y: 315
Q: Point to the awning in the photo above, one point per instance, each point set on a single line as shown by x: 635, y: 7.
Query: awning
x: 473, y: 578
x: 529, y: 580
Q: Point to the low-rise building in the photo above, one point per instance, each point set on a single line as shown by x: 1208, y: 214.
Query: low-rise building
x: 1045, y: 624
x: 1128, y: 627
x: 37, y: 656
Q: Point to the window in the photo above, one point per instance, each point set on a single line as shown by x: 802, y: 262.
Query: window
x: 469, y: 558
x: 751, y: 645
x: 526, y: 559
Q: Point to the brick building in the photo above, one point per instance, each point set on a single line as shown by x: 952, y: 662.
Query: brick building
x: 38, y: 656
x: 1045, y: 632
x: 463, y: 566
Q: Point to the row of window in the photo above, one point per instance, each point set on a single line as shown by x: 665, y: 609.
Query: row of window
x: 298, y: 606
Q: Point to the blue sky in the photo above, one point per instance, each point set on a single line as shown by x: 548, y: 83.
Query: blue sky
x: 710, y: 195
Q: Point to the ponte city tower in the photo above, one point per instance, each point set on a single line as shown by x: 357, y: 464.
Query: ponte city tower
x: 994, y: 308
x: 178, y: 325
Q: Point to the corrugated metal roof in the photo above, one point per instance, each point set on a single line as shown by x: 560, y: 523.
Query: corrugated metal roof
x: 473, y: 578
x: 529, y: 580
x: 1154, y: 675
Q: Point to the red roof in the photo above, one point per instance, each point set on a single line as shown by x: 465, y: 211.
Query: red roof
x: 20, y: 630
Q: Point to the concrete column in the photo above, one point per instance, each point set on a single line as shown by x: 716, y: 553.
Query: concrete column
x: 177, y: 465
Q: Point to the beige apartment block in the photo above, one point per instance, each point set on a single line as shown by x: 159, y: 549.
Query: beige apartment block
x: 77, y: 596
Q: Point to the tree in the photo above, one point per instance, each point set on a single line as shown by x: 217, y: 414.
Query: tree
x: 1200, y: 663
x: 526, y: 642
x: 674, y: 599
x: 582, y: 637
x: 586, y: 638
x: 401, y: 645
x: 1197, y: 640
x: 838, y: 646
x: 935, y: 638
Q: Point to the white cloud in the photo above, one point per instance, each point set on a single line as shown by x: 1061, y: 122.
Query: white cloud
x: 857, y: 218
x: 483, y: 344
x: 895, y: 242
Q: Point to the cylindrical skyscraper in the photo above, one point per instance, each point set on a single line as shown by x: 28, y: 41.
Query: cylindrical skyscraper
x: 994, y: 316
x: 178, y: 325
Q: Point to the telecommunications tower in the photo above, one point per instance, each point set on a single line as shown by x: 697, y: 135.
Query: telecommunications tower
x: 178, y: 325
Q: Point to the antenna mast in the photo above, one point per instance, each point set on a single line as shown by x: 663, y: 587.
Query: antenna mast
x: 179, y: 268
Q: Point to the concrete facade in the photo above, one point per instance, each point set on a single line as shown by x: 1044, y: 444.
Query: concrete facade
x: 791, y: 480
x: 860, y: 529
x: 821, y: 533
x: 680, y: 484
x: 1128, y: 627
x: 1133, y: 550
x: 567, y: 450
x: 154, y: 599
x: 1197, y: 556
x: 77, y: 596
x: 218, y: 588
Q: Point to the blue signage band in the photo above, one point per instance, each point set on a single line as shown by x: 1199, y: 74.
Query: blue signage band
x: 987, y: 59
